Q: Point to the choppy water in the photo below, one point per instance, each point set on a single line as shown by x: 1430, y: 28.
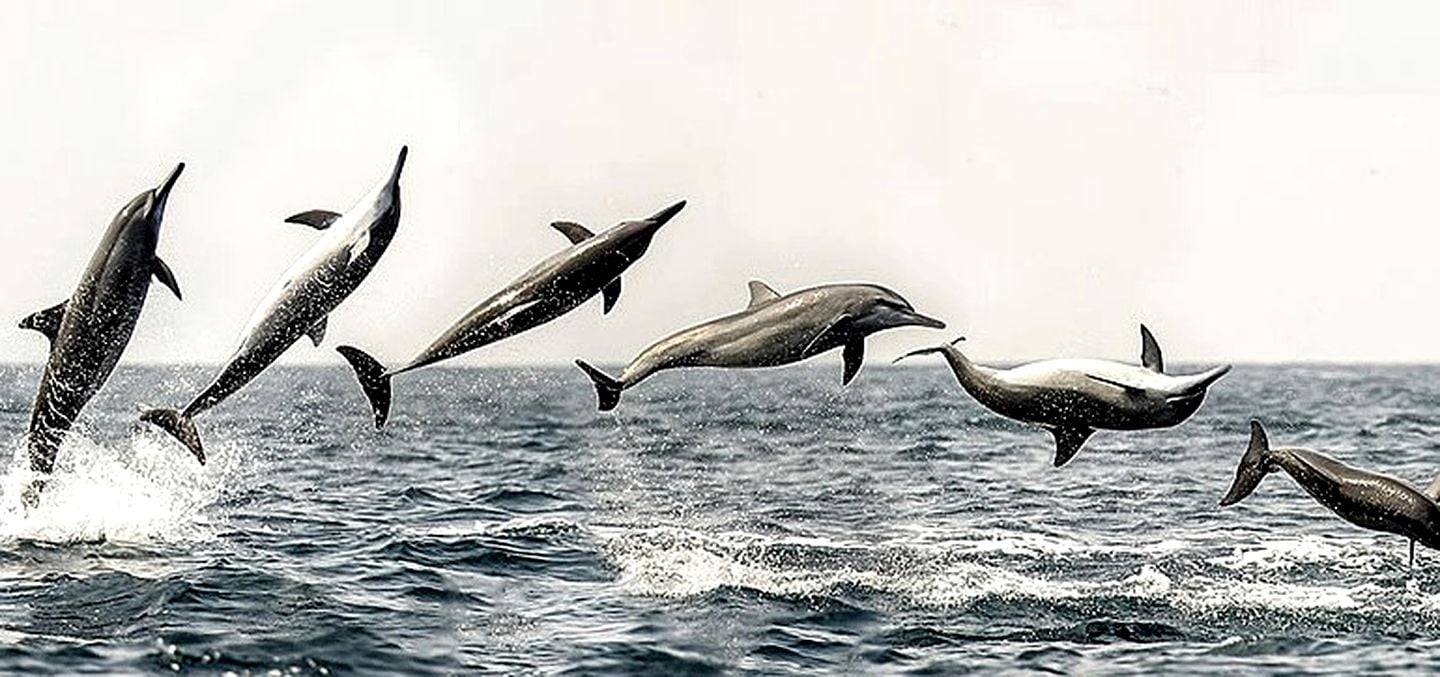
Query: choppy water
x: 761, y: 522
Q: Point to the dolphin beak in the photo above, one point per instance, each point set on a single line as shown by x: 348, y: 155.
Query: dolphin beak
x: 163, y: 192
x: 399, y: 165
x: 919, y: 320
x: 659, y: 218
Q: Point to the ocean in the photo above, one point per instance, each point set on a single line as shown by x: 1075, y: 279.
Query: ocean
x: 762, y: 522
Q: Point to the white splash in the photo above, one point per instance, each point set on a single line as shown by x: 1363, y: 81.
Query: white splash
x: 677, y: 562
x: 149, y: 490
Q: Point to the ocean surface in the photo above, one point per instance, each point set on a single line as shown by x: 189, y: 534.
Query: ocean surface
x: 764, y: 522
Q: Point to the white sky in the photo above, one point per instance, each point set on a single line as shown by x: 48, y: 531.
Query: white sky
x: 1256, y: 181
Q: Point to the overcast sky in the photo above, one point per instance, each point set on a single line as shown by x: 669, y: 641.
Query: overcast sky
x: 1256, y: 181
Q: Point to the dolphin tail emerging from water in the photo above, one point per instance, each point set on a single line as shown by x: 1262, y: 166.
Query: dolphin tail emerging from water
x: 927, y: 351
x: 180, y: 426
x: 374, y: 380
x: 607, y: 388
x: 1254, y: 466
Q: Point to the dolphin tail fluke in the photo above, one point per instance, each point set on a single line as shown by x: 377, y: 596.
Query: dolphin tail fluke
x: 373, y: 380
x: 180, y: 427
x: 607, y: 389
x: 1254, y: 466
x: 926, y: 351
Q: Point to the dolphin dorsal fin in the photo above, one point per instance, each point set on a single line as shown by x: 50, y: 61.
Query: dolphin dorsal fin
x: 46, y: 321
x: 319, y: 219
x: 761, y: 293
x: 575, y: 232
x: 1150, y: 351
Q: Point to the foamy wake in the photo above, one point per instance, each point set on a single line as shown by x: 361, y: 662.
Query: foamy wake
x: 143, y: 491
x: 676, y: 562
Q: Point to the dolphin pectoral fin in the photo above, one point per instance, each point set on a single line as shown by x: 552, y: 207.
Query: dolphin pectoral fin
x: 1129, y: 389
x: 1150, y: 351
x: 46, y: 321
x: 611, y: 292
x: 761, y: 294
x: 854, y: 357
x: 1068, y: 441
x: 815, y: 340
x: 575, y: 232
x: 319, y: 219
x: 166, y: 277
x: 317, y: 332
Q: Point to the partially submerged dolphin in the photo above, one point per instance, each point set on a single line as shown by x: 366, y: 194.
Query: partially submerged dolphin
x: 591, y: 265
x: 773, y: 330
x: 298, y: 304
x: 1073, y: 398
x: 1366, y: 499
x: 89, y: 331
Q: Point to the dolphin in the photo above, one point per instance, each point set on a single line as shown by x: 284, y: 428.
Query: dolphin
x: 591, y: 265
x: 773, y: 330
x: 89, y: 331
x: 1073, y: 398
x: 1366, y: 499
x: 303, y: 297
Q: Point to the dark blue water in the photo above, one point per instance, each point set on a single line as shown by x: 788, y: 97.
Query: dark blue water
x: 731, y: 522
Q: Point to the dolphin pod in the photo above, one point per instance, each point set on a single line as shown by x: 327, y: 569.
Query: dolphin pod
x: 1072, y: 398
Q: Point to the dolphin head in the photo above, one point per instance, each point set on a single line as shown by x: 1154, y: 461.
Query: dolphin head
x: 634, y: 236
x: 383, y: 211
x: 161, y: 195
x: 137, y: 226
x: 876, y: 308
x: 1187, y: 393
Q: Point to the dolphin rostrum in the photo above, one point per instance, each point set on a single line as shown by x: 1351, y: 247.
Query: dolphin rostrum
x: 591, y: 265
x: 304, y: 296
x: 1366, y: 499
x: 1073, y: 398
x: 89, y: 331
x: 774, y: 330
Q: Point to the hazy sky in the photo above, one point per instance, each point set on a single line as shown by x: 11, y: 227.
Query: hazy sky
x: 1256, y: 181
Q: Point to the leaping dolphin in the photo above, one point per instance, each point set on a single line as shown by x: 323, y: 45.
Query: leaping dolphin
x: 1073, y: 398
x: 591, y: 265
x: 774, y: 330
x: 89, y: 332
x: 304, y: 296
x: 1366, y: 499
